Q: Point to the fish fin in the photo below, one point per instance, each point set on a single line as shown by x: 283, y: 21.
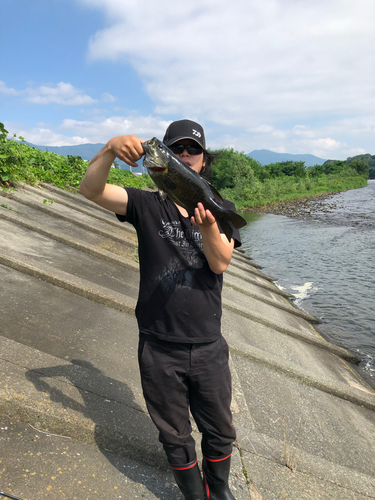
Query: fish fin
x: 230, y: 223
x: 162, y: 195
x: 237, y: 220
x: 216, y: 195
x: 169, y: 184
x: 227, y: 228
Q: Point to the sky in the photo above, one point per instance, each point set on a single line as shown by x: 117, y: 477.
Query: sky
x: 291, y: 76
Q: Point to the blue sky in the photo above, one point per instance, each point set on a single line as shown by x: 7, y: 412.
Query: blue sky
x: 286, y: 75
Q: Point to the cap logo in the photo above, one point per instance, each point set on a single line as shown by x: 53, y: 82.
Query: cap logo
x: 195, y: 132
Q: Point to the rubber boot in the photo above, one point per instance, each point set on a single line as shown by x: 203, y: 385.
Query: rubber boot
x: 189, y: 480
x: 216, y: 475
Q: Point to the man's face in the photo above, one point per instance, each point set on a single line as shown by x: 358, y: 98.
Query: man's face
x: 194, y: 161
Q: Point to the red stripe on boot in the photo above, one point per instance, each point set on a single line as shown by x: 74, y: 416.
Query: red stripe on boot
x: 207, y: 495
x: 185, y: 468
x: 218, y: 459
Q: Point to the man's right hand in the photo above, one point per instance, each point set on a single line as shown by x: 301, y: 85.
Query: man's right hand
x: 127, y: 148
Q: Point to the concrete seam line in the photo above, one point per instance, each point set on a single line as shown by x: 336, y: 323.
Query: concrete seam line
x: 243, y: 256
x: 74, y: 206
x: 84, y: 430
x: 283, y: 307
x: 255, y: 272
x: 28, y: 413
x: 54, y: 214
x: 341, y: 393
x: 72, y: 287
x: 251, y: 268
x: 318, y: 342
x: 83, y: 247
x: 238, y: 262
x: 73, y: 384
x: 327, y: 476
x: 353, y: 372
x: 76, y: 198
x: 251, y: 279
x: 269, y: 288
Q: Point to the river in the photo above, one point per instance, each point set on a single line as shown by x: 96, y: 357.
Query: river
x: 326, y: 259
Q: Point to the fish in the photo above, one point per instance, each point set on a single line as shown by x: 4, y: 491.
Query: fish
x: 186, y: 187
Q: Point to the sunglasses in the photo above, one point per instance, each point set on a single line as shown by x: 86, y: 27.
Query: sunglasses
x: 178, y: 149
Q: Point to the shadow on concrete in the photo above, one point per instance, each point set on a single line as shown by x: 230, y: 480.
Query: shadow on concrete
x: 122, y: 428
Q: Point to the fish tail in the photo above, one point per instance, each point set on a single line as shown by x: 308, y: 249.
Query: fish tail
x: 229, y: 224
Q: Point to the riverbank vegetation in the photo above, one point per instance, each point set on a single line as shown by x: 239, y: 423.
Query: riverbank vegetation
x: 249, y: 184
x: 237, y: 176
x: 21, y: 162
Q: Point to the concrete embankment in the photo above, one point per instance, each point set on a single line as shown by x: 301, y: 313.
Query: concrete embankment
x: 71, y: 406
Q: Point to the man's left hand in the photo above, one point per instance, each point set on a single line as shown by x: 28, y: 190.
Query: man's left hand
x: 202, y: 217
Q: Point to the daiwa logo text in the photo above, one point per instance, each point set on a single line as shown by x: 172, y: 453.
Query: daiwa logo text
x: 198, y: 134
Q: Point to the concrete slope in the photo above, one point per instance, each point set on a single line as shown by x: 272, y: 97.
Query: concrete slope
x: 68, y: 363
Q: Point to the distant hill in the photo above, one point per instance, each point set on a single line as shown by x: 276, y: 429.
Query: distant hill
x: 85, y: 151
x: 265, y: 157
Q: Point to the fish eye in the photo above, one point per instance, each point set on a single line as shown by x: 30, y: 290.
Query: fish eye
x: 160, y: 146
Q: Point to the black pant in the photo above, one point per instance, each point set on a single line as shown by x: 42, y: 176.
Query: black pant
x: 176, y: 375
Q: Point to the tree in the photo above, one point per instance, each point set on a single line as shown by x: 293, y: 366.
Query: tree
x: 231, y: 167
x: 360, y: 166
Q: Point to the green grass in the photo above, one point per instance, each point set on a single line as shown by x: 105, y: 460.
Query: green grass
x: 287, y: 189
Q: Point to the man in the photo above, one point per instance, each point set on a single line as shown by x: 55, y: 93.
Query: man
x: 183, y: 357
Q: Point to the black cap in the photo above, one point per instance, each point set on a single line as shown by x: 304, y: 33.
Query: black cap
x: 184, y: 129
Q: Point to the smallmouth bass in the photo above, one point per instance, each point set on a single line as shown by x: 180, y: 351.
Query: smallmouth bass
x: 186, y: 187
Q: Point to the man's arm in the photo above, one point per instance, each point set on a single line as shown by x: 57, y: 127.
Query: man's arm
x: 217, y: 249
x: 94, y: 183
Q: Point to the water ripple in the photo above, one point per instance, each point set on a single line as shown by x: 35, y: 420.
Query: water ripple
x: 327, y: 261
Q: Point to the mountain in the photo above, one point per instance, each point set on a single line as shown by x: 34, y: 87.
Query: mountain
x: 85, y: 151
x: 265, y: 157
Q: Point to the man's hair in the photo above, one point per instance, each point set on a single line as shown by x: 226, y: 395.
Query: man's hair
x: 209, y: 157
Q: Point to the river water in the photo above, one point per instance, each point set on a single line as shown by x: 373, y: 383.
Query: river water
x: 326, y: 259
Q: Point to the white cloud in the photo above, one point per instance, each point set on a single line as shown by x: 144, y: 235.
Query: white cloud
x: 42, y: 136
x: 74, y: 132
x: 7, y: 90
x: 284, y: 75
x: 63, y: 93
x: 298, y: 139
x: 354, y: 152
x: 245, y: 61
x: 326, y: 144
x: 107, y: 97
x: 101, y: 130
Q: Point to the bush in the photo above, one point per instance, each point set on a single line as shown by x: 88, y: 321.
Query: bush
x: 21, y: 162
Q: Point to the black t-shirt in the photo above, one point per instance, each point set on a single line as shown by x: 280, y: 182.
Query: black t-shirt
x: 179, y: 296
